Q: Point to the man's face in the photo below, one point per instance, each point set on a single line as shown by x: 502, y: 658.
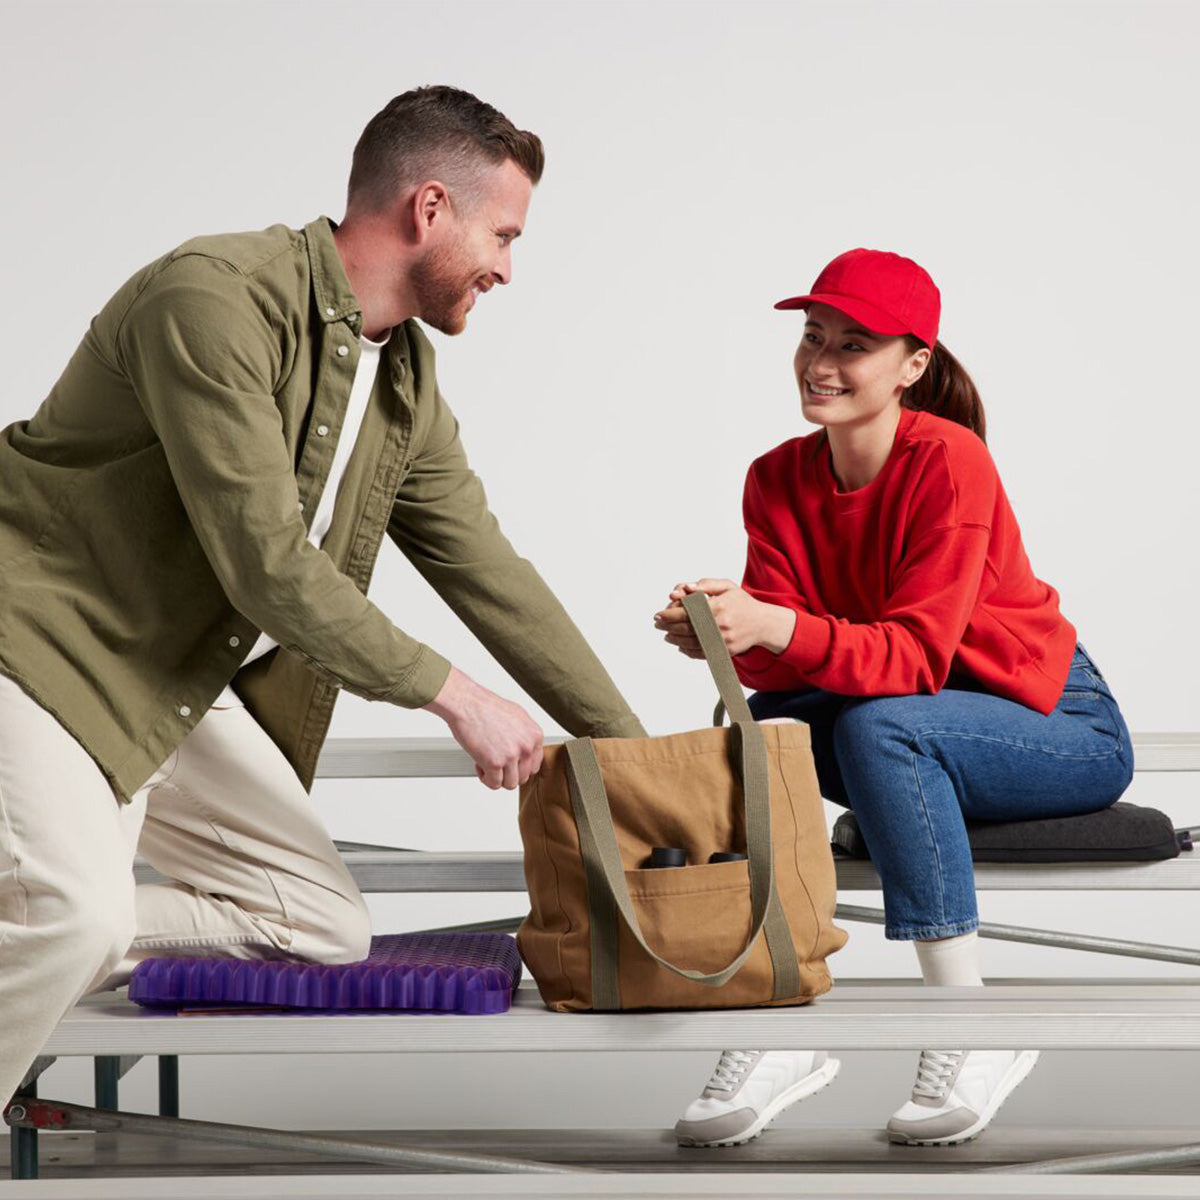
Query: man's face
x: 472, y: 252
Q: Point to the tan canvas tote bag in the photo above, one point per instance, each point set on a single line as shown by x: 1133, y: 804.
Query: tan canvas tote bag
x: 605, y: 933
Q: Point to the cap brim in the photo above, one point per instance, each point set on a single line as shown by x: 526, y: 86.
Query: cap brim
x: 866, y: 314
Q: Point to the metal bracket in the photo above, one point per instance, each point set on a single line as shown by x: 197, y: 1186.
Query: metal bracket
x: 39, y: 1065
x: 29, y: 1113
x: 1049, y: 937
x: 1096, y: 1164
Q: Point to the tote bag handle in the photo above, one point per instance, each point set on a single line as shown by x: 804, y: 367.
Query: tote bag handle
x: 602, y: 859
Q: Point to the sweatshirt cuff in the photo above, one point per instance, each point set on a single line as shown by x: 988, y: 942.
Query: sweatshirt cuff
x: 752, y: 663
x: 810, y: 644
x: 423, y: 682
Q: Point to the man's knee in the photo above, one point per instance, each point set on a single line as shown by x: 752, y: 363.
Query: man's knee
x: 346, y: 936
x: 91, y: 928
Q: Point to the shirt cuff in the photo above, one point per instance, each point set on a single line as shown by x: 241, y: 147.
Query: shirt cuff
x: 423, y: 682
x: 625, y: 727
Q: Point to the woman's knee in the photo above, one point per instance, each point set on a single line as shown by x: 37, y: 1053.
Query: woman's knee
x: 862, y: 721
x: 871, y: 738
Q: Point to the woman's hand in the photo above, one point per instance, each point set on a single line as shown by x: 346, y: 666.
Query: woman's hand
x: 743, y: 621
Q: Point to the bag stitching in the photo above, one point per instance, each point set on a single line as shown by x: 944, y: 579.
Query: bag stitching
x: 799, y: 873
x: 696, y: 891
x: 722, y: 751
x: 558, y: 941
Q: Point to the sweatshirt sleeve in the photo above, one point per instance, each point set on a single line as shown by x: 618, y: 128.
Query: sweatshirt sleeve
x: 934, y: 589
x: 771, y: 578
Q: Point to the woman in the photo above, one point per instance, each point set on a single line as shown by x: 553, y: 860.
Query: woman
x: 888, y: 602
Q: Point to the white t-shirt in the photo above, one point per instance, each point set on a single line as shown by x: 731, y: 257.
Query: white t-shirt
x: 356, y: 408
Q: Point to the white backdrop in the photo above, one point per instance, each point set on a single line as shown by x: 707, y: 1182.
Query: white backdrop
x: 703, y: 161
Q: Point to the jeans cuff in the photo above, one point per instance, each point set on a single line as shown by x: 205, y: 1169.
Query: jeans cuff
x: 925, y: 933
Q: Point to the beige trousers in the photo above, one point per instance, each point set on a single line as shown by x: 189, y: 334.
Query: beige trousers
x: 252, y: 872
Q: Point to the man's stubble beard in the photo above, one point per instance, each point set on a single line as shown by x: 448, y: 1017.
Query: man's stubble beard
x: 441, y: 281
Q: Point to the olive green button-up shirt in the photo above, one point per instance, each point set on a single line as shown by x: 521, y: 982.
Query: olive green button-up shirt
x: 153, y: 518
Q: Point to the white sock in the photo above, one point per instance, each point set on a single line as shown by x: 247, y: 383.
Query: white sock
x: 951, y: 962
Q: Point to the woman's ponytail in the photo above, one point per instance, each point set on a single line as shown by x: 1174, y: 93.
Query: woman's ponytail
x: 945, y: 389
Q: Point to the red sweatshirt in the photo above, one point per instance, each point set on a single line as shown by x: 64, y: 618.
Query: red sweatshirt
x: 917, y: 581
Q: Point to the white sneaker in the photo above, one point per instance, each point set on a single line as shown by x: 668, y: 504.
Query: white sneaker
x: 748, y: 1090
x: 957, y: 1093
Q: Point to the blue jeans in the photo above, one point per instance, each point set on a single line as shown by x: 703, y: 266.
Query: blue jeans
x: 913, y: 768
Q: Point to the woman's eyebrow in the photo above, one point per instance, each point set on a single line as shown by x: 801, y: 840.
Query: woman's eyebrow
x: 850, y: 329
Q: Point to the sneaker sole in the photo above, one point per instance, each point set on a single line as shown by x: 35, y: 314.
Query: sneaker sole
x: 1012, y: 1080
x: 810, y: 1085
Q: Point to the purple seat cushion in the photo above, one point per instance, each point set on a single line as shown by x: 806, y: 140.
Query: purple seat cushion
x: 445, y: 972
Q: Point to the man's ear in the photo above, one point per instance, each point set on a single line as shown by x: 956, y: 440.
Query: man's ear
x: 430, y: 204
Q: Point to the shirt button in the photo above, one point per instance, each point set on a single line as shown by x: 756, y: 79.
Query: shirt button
x: 301, y: 506
x: 330, y: 311
x: 184, y: 711
x: 235, y: 642
x: 322, y: 430
x: 343, y: 351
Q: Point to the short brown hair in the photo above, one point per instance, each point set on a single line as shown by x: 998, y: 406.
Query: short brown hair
x: 435, y: 133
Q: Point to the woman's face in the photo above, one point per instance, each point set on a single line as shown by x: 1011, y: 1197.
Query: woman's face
x: 859, y: 374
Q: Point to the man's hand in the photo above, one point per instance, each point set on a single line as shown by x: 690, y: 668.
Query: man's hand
x: 743, y: 621
x: 500, y: 736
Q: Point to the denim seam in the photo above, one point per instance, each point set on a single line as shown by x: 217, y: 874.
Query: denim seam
x: 981, y: 737
x: 908, y: 933
x: 937, y: 858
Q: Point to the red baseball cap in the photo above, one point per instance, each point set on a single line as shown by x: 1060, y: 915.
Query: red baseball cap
x: 885, y: 292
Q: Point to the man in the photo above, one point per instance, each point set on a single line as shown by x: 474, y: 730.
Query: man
x: 188, y: 525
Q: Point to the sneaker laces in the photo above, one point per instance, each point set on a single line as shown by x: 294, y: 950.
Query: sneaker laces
x: 731, y: 1067
x: 934, y: 1070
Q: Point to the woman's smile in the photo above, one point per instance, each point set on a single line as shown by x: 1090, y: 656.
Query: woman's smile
x: 819, y: 392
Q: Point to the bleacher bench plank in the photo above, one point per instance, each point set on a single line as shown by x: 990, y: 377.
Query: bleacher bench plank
x: 425, y: 758
x: 856, y: 1015
x: 501, y: 871
x: 812, y: 1186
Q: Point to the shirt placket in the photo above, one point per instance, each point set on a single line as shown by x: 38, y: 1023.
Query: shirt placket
x: 394, y: 461
x: 393, y: 464
x: 337, y: 359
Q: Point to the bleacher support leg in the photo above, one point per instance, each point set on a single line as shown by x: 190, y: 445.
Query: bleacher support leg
x: 107, y: 1074
x: 25, y: 1145
x: 168, y: 1085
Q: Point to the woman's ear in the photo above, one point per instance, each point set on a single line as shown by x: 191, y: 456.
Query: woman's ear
x: 915, y: 367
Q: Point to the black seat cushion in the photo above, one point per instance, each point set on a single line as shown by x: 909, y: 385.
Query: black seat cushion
x: 1122, y: 833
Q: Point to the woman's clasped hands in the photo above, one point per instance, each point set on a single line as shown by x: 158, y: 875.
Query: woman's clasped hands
x: 743, y: 621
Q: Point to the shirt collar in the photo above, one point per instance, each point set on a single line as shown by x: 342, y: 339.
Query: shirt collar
x: 334, y: 296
